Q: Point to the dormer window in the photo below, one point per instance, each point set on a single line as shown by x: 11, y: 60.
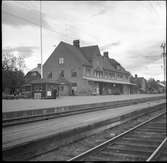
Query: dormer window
x: 33, y: 73
x: 61, y: 60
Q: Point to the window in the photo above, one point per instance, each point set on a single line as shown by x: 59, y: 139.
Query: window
x: 61, y: 60
x: 105, y: 75
x: 33, y: 73
x: 62, y: 73
x: 74, y: 84
x: 112, y: 75
x: 119, y: 75
x: 62, y: 88
x: 49, y: 75
x: 88, y: 71
x: 74, y: 74
x: 118, y: 67
x: 101, y: 74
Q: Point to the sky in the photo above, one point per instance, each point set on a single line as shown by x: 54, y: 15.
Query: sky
x: 131, y: 31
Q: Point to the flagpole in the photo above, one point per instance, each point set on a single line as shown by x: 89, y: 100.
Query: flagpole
x: 41, y: 38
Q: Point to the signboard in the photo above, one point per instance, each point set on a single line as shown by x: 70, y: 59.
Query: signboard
x: 49, y: 93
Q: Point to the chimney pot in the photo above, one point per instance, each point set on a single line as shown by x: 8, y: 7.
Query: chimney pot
x: 105, y: 54
x: 135, y: 75
x: 76, y: 43
x: 39, y: 65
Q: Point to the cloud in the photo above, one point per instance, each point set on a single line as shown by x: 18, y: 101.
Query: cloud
x: 101, y: 12
x: 23, y: 51
x: 17, y: 16
x: 108, y: 46
x: 144, y: 56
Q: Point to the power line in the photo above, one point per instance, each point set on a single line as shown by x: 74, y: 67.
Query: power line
x: 67, y: 30
x: 26, y: 20
x: 20, y: 18
x: 53, y: 31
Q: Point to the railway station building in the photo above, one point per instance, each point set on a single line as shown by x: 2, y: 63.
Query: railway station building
x: 79, y: 71
x: 86, y: 71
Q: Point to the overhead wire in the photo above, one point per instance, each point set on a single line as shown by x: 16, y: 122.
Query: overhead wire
x: 69, y: 28
x: 22, y: 5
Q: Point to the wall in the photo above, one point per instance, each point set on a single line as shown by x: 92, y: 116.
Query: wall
x: 126, y: 89
x: 71, y: 63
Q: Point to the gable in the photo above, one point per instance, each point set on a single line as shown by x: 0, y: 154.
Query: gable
x: 67, y: 50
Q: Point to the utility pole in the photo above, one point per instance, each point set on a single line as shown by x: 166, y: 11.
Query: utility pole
x: 41, y: 44
x: 163, y: 46
x: 41, y: 38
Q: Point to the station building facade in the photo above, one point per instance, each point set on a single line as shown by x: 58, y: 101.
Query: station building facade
x: 86, y: 71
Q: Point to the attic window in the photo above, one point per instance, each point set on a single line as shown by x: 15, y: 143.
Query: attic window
x: 61, y: 60
x: 73, y: 74
x: 33, y: 74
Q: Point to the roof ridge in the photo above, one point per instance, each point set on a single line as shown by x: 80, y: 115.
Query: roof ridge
x: 89, y: 46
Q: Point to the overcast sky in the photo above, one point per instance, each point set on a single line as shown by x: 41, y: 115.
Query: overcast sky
x: 131, y: 31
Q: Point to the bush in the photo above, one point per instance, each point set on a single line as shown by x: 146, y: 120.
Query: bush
x: 12, y: 97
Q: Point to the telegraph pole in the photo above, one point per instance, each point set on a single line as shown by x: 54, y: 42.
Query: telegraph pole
x: 41, y: 38
x: 163, y: 46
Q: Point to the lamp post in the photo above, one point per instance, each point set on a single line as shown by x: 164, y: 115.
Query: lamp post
x: 163, y: 46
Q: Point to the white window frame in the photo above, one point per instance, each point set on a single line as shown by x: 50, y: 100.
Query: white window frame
x: 61, y: 60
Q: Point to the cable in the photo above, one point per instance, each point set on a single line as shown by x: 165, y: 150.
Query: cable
x: 19, y: 17
x: 51, y: 30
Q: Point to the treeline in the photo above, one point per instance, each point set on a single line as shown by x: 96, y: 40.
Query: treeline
x: 12, y: 73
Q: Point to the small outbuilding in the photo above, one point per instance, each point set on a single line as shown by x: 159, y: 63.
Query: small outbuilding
x: 41, y: 89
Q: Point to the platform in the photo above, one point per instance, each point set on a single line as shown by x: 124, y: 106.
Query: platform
x: 33, y: 104
x: 25, y: 133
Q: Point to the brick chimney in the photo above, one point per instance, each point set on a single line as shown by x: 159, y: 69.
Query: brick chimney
x: 76, y: 43
x: 105, y: 54
x: 39, y: 65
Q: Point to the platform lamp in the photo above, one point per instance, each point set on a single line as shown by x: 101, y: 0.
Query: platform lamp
x: 163, y: 46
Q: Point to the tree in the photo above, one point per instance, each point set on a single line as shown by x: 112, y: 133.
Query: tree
x: 12, y: 71
x: 11, y: 62
x: 152, y: 85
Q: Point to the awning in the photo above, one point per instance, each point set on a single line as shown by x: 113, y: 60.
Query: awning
x: 44, y: 81
x: 107, y: 81
x: 161, y: 84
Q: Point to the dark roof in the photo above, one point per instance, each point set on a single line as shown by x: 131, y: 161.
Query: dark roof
x: 86, y: 55
x: 37, y: 69
x: 75, y: 51
x: 90, y: 51
x: 43, y: 81
x: 107, y: 65
x: 25, y: 85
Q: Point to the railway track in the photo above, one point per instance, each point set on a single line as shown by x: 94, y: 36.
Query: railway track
x: 144, y: 142
x: 52, y: 150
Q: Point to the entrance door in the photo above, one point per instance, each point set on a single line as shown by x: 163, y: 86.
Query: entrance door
x: 54, y: 93
x: 100, y: 88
